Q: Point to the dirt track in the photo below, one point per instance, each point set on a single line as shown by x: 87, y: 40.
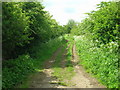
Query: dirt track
x: 81, y: 79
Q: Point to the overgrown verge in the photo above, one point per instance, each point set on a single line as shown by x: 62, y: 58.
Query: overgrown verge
x: 16, y: 70
x: 101, y: 61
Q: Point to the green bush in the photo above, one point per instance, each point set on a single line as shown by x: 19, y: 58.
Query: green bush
x: 102, y: 61
x: 24, y: 23
x: 15, y: 28
x: 14, y: 71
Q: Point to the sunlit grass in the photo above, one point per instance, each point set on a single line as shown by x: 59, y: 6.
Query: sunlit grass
x: 67, y: 72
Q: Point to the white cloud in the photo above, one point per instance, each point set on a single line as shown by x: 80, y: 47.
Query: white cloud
x: 63, y: 10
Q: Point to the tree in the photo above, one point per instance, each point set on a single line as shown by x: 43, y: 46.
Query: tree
x: 15, y: 28
x: 24, y: 23
x: 105, y: 22
x: 71, y: 23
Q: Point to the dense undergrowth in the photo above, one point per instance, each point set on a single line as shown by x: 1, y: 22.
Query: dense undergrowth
x: 16, y: 70
x: 101, y: 61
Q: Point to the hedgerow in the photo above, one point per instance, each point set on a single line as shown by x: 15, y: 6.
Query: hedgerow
x: 24, y: 23
x: 97, y: 43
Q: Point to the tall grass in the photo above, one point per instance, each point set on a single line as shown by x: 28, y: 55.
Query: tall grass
x: 101, y: 61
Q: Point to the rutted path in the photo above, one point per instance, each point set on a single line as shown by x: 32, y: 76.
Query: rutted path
x: 44, y: 79
x: 81, y: 79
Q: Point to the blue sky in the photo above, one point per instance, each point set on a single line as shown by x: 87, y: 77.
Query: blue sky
x: 63, y: 10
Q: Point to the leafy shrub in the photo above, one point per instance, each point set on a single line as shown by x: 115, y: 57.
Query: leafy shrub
x: 15, y: 70
x: 15, y: 28
x: 24, y: 23
x: 105, y: 22
x: 101, y: 61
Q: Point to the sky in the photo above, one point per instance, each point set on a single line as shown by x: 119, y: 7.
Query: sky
x: 64, y: 10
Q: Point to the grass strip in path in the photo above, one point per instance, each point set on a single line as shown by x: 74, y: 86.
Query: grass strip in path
x: 62, y: 67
